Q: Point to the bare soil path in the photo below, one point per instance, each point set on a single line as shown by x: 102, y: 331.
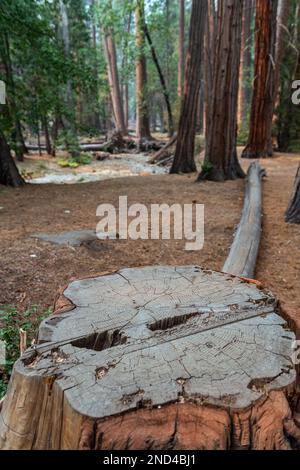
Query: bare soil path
x: 31, y: 271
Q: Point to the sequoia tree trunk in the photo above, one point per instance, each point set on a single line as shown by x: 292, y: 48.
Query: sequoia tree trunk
x: 181, y: 41
x: 221, y: 162
x: 245, y: 90
x: 9, y: 174
x: 258, y: 145
x: 114, y: 83
x: 184, y: 161
x: 142, y: 108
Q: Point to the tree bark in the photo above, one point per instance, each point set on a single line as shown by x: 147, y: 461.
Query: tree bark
x: 245, y: 89
x: 9, y: 174
x: 113, y: 77
x: 206, y: 365
x: 47, y: 135
x: 161, y: 78
x: 142, y: 108
x: 17, y: 135
x: 221, y: 162
x: 181, y: 48
x: 68, y: 117
x: 258, y: 145
x: 293, y: 212
x: 184, y: 161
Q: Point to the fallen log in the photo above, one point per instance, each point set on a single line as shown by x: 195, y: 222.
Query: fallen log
x: 156, y: 358
x: 244, y: 251
x: 162, y: 151
x: 293, y: 212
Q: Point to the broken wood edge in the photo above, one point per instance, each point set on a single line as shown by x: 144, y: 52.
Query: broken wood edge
x: 240, y: 262
x: 62, y: 304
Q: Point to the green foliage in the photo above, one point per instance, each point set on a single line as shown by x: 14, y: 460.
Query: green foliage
x: 83, y: 159
x: 207, y: 168
x: 11, y: 322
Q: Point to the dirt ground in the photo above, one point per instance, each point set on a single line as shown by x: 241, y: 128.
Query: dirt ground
x: 32, y: 271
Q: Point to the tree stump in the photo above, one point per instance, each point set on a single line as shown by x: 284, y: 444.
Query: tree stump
x: 157, y: 358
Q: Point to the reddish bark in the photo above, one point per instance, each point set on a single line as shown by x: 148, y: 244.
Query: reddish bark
x: 258, y: 145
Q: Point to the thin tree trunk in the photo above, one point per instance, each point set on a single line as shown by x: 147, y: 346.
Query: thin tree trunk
x: 113, y: 77
x: 47, y: 135
x: 142, y: 109
x: 181, y: 41
x: 9, y: 174
x: 258, y: 145
x: 245, y: 67
x: 184, y: 161
x: 68, y: 117
x: 161, y: 78
x: 125, y: 85
x: 209, y: 57
x: 221, y: 162
x: 282, y: 39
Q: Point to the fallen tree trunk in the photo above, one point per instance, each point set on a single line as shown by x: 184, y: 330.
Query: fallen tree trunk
x: 293, y: 213
x: 156, y: 358
x: 244, y: 251
x: 162, y: 151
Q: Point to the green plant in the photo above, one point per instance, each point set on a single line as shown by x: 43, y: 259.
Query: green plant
x: 74, y: 163
x: 11, y: 322
x: 206, y: 167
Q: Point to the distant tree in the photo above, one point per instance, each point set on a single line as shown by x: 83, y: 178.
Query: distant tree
x: 259, y: 142
x: 288, y: 114
x: 68, y: 116
x: 245, y: 89
x: 113, y: 76
x: 221, y: 162
x: 184, y: 161
x: 142, y: 106
x: 181, y: 48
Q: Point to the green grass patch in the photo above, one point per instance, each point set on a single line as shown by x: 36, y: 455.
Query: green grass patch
x: 11, y: 322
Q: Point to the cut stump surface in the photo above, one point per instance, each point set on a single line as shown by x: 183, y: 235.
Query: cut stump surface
x: 156, y: 358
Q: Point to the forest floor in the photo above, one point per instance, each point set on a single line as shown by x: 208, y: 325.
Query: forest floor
x: 32, y: 271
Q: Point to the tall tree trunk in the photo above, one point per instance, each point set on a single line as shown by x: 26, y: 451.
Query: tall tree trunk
x: 161, y: 78
x: 17, y: 135
x: 289, y: 115
x: 113, y: 77
x: 68, y: 117
x: 282, y: 39
x: 258, y: 145
x: 245, y: 89
x: 282, y: 34
x: 221, y: 162
x: 9, y: 174
x: 209, y: 57
x: 181, y: 41
x: 125, y: 85
x: 184, y: 161
x: 142, y: 108
x: 47, y: 135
